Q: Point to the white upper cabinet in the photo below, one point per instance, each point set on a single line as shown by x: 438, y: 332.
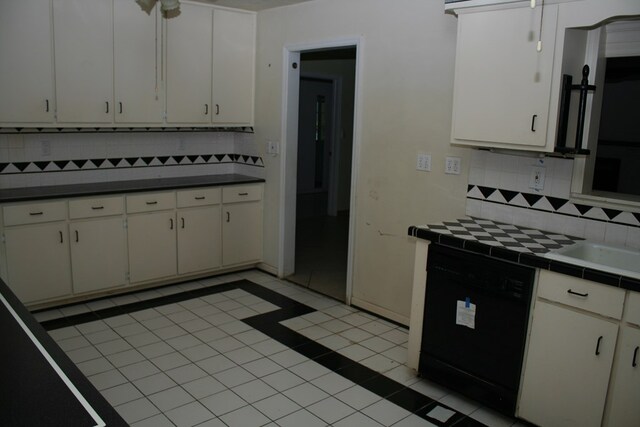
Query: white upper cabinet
x: 189, y: 50
x: 83, y: 40
x: 234, y: 35
x: 502, y: 84
x: 26, y: 68
x: 137, y: 61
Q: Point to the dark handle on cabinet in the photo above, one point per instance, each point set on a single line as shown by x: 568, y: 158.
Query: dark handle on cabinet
x: 182, y: 222
x: 97, y: 208
x: 577, y: 293
x: 634, y: 362
x: 228, y: 217
x: 61, y: 239
x: 171, y: 222
x: 206, y: 109
x: 120, y: 105
x: 107, y: 102
x: 243, y: 194
x: 200, y: 198
x: 533, y: 122
x: 598, y: 346
x: 217, y: 109
x: 77, y: 236
x: 35, y: 213
x: 152, y: 203
x: 46, y: 101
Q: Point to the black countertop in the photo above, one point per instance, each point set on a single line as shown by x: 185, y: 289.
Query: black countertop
x: 115, y: 187
x: 522, y: 245
x: 40, y: 385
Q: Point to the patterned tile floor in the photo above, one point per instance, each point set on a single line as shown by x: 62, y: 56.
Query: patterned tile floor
x: 247, y: 349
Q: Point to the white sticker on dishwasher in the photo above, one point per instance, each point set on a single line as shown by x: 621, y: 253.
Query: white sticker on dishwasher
x: 466, y: 314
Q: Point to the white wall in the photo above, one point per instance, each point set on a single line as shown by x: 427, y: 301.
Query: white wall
x: 407, y: 58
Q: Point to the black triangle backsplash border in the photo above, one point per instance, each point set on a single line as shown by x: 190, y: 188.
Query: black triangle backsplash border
x: 127, y: 162
x: 555, y: 205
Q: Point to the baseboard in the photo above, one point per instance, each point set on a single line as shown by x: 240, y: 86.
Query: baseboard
x: 383, y: 312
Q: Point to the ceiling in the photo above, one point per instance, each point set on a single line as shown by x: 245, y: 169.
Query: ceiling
x: 254, y: 5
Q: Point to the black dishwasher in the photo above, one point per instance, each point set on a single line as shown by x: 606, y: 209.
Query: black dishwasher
x: 475, y: 323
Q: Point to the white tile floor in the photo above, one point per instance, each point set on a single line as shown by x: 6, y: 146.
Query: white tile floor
x: 195, y: 363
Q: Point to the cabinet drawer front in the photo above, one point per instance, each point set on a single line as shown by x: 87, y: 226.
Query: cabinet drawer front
x: 583, y: 294
x: 94, y: 207
x: 151, y: 202
x: 33, y: 213
x: 198, y: 197
x: 241, y: 193
x: 632, y: 312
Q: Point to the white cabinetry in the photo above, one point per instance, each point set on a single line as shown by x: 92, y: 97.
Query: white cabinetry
x: 623, y: 409
x: 189, y: 50
x: 234, y: 35
x: 37, y: 250
x: 502, y: 84
x: 26, y: 68
x: 241, y: 224
x: 571, y: 350
x: 83, y: 40
x: 98, y: 242
x: 151, y: 236
x: 136, y: 46
x: 199, y: 230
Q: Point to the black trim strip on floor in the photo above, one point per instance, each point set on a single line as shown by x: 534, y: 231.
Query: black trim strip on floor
x: 269, y: 324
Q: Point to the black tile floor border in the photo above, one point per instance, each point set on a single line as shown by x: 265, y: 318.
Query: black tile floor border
x: 268, y: 323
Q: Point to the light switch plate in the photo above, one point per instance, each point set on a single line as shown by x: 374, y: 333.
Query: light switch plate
x: 536, y: 180
x: 424, y: 162
x: 452, y: 165
x: 273, y: 148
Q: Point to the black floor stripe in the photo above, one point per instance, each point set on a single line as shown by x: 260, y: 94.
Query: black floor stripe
x: 268, y: 323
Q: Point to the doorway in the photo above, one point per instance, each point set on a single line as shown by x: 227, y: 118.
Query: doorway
x: 324, y: 170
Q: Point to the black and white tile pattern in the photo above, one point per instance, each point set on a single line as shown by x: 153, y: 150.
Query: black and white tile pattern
x: 229, y: 351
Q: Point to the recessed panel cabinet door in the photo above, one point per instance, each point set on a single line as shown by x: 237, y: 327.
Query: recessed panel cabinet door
x: 38, y: 261
x: 234, y: 38
x: 241, y: 233
x: 26, y: 67
x: 189, y: 65
x: 624, y: 395
x: 137, y: 64
x: 83, y: 39
x: 98, y: 254
x: 152, y: 246
x: 502, y: 84
x: 199, y: 239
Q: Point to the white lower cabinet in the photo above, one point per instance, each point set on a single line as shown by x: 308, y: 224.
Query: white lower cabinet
x: 241, y: 224
x: 199, y: 241
x: 98, y: 254
x: 38, y: 261
x: 152, y: 246
x: 567, y: 369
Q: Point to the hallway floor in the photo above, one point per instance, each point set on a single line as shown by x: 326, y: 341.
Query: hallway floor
x: 247, y: 349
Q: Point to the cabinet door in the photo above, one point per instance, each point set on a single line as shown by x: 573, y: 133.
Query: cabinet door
x: 241, y: 233
x: 567, y: 367
x: 189, y: 65
x: 502, y: 84
x: 38, y: 261
x: 136, y: 64
x: 199, y: 239
x: 98, y: 254
x: 233, y: 66
x: 26, y: 67
x: 83, y: 40
x: 152, y: 246
x: 624, y: 397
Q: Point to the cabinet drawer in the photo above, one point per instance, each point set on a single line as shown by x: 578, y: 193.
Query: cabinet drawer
x: 583, y: 294
x: 151, y: 202
x: 198, y: 197
x: 33, y: 213
x: 632, y: 312
x: 241, y: 193
x: 94, y: 207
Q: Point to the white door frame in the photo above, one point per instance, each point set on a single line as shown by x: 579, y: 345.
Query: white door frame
x: 289, y: 152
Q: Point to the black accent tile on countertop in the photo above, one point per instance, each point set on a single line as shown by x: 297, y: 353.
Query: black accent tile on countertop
x: 115, y: 187
x: 568, y: 269
x: 535, y: 261
x: 630, y: 284
x: 601, y: 277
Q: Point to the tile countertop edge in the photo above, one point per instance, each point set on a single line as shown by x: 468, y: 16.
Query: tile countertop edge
x: 25, y: 352
x: 114, y: 187
x: 528, y: 259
